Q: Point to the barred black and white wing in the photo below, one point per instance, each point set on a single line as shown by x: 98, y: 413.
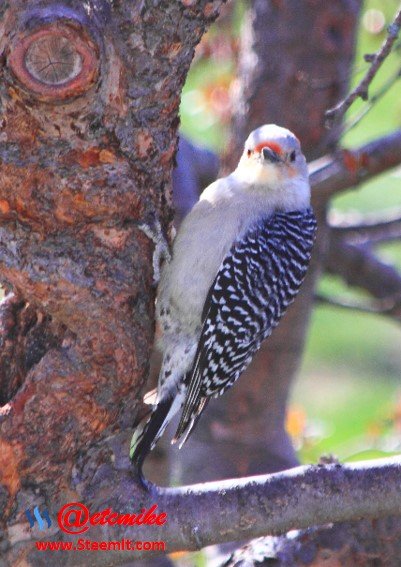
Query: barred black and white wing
x: 257, y: 281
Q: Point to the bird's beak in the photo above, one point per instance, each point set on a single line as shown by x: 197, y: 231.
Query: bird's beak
x: 270, y: 155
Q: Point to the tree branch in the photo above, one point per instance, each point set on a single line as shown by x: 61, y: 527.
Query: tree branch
x: 345, y: 169
x: 361, y: 542
x: 361, y: 90
x: 390, y: 306
x: 358, y: 267
x: 216, y: 512
x: 77, y: 180
x: 368, y: 228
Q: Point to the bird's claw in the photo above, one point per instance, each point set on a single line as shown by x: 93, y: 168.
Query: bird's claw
x: 161, y: 252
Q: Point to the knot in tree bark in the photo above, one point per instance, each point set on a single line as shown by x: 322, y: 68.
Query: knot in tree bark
x: 52, y: 60
x: 57, y: 61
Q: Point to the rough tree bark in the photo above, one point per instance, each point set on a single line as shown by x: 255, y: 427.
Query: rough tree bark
x: 89, y: 95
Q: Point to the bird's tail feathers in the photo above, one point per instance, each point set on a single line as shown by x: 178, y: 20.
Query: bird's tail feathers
x: 147, y: 435
x: 188, y: 423
x: 150, y: 397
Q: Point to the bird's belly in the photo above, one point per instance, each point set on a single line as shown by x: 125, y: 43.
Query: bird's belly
x: 201, y: 245
x: 193, y: 270
x: 190, y: 284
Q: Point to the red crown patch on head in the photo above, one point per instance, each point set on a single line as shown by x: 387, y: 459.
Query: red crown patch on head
x: 272, y: 145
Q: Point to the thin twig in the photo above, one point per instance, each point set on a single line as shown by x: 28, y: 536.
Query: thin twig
x: 361, y: 90
x: 356, y: 119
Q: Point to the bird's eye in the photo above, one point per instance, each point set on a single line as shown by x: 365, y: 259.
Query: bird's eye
x: 249, y: 153
x: 293, y: 155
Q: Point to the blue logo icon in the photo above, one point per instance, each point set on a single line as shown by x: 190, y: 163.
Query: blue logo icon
x: 37, y: 516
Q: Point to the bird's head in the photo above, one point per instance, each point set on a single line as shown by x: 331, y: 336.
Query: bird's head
x: 273, y: 158
x: 274, y: 168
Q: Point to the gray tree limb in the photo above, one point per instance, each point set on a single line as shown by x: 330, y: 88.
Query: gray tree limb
x: 367, y: 229
x: 359, y: 267
x: 347, y: 169
x: 390, y: 306
x: 215, y: 512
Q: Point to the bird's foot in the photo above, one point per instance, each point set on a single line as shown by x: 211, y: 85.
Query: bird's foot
x: 161, y: 252
x: 140, y: 480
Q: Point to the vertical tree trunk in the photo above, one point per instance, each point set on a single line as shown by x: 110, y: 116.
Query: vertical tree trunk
x: 89, y: 97
x: 295, y: 63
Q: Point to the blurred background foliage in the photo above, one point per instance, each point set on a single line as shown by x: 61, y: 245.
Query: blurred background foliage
x: 347, y: 400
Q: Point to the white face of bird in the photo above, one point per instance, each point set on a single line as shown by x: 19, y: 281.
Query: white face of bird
x: 273, y: 158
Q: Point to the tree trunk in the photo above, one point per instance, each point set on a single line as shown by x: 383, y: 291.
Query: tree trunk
x: 89, y: 97
x: 295, y: 63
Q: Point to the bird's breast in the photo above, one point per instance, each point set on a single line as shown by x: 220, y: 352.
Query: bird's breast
x: 202, y: 243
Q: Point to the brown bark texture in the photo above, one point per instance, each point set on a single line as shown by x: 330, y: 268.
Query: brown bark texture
x: 89, y: 97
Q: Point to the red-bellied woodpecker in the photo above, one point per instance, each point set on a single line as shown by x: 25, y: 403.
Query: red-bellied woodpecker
x: 238, y: 261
